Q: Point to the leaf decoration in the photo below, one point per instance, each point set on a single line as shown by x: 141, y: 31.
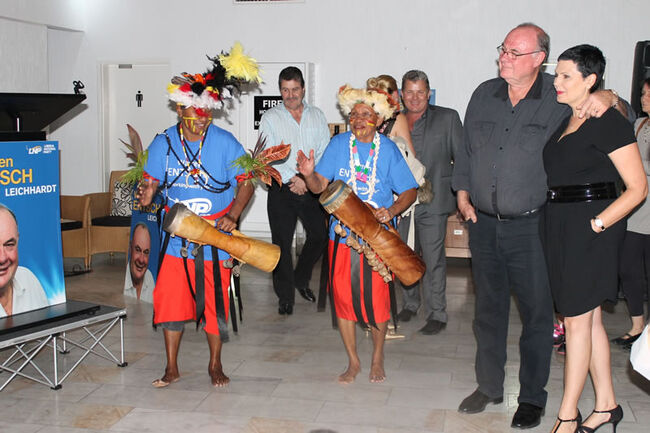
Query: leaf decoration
x: 136, y: 154
x: 256, y: 162
x: 276, y: 153
x: 264, y: 177
x: 275, y: 175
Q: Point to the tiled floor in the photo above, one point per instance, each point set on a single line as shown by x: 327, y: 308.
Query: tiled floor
x: 283, y: 371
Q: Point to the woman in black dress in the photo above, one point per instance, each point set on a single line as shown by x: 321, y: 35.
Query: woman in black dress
x: 582, y: 230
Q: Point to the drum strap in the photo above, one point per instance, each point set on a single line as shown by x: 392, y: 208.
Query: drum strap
x: 233, y: 317
x: 187, y: 271
x: 199, y: 281
x: 337, y: 238
x: 355, y: 285
x: 393, y: 302
x: 236, y: 288
x: 391, y: 286
x: 367, y: 293
x: 218, y: 292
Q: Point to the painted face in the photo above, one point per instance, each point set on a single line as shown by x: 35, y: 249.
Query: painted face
x: 518, y: 69
x: 645, y: 99
x: 571, y: 87
x: 416, y: 96
x: 8, y: 248
x: 195, y: 121
x: 363, y: 122
x: 140, y: 248
x: 292, y: 94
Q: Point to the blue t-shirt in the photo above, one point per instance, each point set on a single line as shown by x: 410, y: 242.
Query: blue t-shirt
x: 393, y: 174
x: 219, y: 151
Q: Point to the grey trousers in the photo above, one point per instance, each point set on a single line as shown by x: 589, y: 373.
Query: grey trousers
x: 430, y: 231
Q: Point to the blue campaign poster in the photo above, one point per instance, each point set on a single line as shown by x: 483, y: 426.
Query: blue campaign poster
x: 29, y: 187
x: 144, y: 247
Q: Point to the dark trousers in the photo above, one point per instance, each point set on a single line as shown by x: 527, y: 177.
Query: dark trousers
x: 284, y: 208
x: 430, y: 231
x: 507, y: 256
x: 634, y: 271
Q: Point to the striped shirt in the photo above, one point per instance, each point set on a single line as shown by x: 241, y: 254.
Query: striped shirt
x: 278, y: 125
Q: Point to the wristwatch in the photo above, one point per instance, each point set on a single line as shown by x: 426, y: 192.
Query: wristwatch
x: 599, y: 223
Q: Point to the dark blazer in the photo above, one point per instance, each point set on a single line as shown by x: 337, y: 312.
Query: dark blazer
x: 443, y: 135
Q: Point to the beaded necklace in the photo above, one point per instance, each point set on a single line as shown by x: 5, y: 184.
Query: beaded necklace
x: 357, y: 172
x: 193, y: 167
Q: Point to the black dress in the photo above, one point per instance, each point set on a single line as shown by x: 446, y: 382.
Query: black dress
x: 583, y: 264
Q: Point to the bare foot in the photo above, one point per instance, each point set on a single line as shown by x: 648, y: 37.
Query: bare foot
x: 350, y: 374
x: 170, y: 376
x: 218, y: 377
x: 377, y: 373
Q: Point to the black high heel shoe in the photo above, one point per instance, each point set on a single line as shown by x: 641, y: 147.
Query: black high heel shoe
x: 615, y: 416
x: 577, y: 420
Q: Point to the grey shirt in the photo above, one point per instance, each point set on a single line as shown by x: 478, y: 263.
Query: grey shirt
x: 500, y: 162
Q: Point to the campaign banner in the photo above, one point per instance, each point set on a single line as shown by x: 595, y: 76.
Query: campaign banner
x: 29, y: 188
x: 144, y: 247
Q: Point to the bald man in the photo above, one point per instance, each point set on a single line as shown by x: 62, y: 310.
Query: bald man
x: 20, y: 290
x: 139, y: 282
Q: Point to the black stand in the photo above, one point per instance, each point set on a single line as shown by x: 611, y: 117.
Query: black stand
x: 29, y: 333
x: 24, y: 115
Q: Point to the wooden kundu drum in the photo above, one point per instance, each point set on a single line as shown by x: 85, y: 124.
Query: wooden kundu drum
x: 180, y: 221
x: 339, y: 200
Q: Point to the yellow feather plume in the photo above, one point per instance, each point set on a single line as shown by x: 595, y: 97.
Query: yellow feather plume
x: 240, y: 65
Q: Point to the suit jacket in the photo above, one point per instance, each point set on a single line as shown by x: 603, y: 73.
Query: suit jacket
x: 443, y: 135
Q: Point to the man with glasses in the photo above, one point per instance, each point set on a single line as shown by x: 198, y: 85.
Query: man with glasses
x: 501, y: 188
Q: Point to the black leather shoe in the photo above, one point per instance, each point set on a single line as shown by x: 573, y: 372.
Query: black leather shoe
x: 432, y: 327
x: 307, y: 294
x: 527, y: 416
x: 476, y: 402
x: 285, y: 309
x: 405, y: 315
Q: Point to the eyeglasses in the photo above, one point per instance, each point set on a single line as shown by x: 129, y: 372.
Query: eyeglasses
x: 512, y: 55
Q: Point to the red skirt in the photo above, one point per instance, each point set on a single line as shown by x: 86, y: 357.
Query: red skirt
x: 173, y: 301
x: 342, y: 290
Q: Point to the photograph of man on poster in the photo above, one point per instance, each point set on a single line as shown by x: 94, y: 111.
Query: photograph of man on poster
x: 20, y: 290
x: 139, y: 282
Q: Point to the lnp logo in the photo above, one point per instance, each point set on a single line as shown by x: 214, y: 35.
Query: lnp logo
x: 200, y: 206
x: 35, y: 150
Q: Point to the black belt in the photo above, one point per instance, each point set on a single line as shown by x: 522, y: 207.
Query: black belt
x: 586, y: 192
x: 502, y: 217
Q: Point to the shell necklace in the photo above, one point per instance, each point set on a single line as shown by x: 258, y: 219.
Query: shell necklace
x: 193, y: 166
x: 359, y: 172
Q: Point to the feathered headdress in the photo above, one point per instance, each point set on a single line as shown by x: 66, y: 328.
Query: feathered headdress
x: 376, y: 99
x: 208, y: 90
